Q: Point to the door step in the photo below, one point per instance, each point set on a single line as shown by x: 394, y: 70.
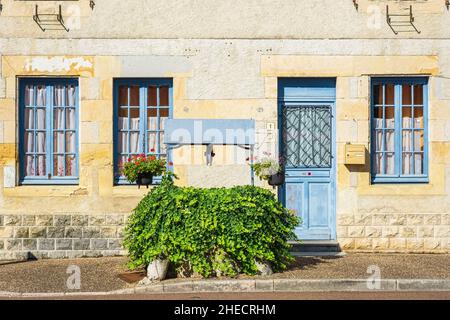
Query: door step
x: 315, y: 246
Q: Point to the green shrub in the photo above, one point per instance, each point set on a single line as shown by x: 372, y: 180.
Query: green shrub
x: 217, y: 229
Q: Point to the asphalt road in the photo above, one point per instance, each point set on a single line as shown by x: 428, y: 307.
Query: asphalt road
x: 267, y: 296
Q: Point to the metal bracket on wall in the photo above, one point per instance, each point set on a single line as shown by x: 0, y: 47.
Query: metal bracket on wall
x: 397, y: 22
x: 447, y: 4
x: 49, y: 21
x: 355, y: 3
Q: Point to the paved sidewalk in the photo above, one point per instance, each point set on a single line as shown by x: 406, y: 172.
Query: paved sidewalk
x: 101, y: 275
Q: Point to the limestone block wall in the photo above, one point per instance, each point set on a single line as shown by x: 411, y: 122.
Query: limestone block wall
x: 223, y: 66
x: 60, y: 236
x: 382, y: 217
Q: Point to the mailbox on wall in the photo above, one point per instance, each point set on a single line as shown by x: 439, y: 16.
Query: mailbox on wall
x: 355, y: 154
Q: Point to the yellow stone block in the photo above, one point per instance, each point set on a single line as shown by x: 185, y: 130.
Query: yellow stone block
x: 50, y: 65
x: 347, y: 243
x: 432, y: 244
x: 397, y: 244
x: 440, y: 152
x: 7, y: 151
x: 352, y: 109
x: 107, y: 90
x: 96, y: 110
x: 414, y: 244
x: 380, y: 244
x: 105, y: 181
x: 30, y: 192
x: 340, y: 147
x: 180, y: 171
x: 363, y: 132
x: 363, y: 244
x: 7, y: 109
x: 179, y: 88
x: 9, y: 131
x: 105, y: 132
x: 107, y: 67
x: 439, y: 110
x: 271, y: 87
x: 436, y: 186
x: 352, y: 88
x: 11, y: 87
x: 96, y: 154
x: 347, y: 131
x: 89, y: 132
x: 342, y: 88
x: 343, y: 176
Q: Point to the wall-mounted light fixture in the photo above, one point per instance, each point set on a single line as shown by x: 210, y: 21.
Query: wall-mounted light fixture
x: 447, y: 4
x: 1, y: 7
x: 355, y: 3
x: 92, y: 4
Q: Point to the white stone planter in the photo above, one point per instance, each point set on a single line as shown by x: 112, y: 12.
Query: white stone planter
x: 264, y: 268
x: 157, y: 269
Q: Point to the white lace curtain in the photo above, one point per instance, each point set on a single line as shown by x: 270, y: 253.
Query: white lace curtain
x: 35, y: 119
x: 152, y: 124
x: 64, y: 118
x: 390, y: 146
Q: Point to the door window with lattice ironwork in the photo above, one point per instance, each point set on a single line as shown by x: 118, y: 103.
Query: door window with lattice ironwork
x: 307, y: 136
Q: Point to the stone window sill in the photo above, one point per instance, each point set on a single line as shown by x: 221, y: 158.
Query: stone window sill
x: 45, y: 191
x: 130, y: 190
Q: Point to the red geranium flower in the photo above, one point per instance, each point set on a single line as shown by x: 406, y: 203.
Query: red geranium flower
x: 170, y: 163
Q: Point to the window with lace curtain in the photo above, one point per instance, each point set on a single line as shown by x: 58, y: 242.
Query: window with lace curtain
x: 140, y: 107
x: 399, y: 130
x: 49, y: 131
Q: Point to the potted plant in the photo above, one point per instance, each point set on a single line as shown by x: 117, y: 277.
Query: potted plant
x: 141, y: 169
x: 270, y: 170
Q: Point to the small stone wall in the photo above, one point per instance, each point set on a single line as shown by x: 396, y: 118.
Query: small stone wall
x: 78, y: 235
x: 61, y: 236
x: 395, y: 232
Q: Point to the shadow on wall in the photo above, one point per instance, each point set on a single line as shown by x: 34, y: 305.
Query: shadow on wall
x: 361, y: 167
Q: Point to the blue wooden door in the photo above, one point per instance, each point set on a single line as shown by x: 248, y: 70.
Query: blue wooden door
x: 308, y: 148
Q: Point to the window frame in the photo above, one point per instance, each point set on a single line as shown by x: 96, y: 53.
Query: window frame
x: 49, y: 83
x: 143, y: 84
x: 398, y: 176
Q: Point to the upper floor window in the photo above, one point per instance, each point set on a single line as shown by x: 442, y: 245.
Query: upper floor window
x: 399, y: 130
x: 48, y: 130
x: 140, y: 106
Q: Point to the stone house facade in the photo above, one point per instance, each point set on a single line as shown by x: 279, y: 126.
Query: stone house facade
x: 74, y: 103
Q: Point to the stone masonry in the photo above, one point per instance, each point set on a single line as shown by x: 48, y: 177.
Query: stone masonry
x: 225, y: 62
x: 60, y: 236
x: 395, y: 232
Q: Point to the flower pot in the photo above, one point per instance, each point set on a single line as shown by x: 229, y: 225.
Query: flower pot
x: 144, y: 179
x: 157, y: 269
x: 276, y: 179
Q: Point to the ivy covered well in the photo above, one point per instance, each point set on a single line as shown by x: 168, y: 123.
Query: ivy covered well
x: 213, y: 231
